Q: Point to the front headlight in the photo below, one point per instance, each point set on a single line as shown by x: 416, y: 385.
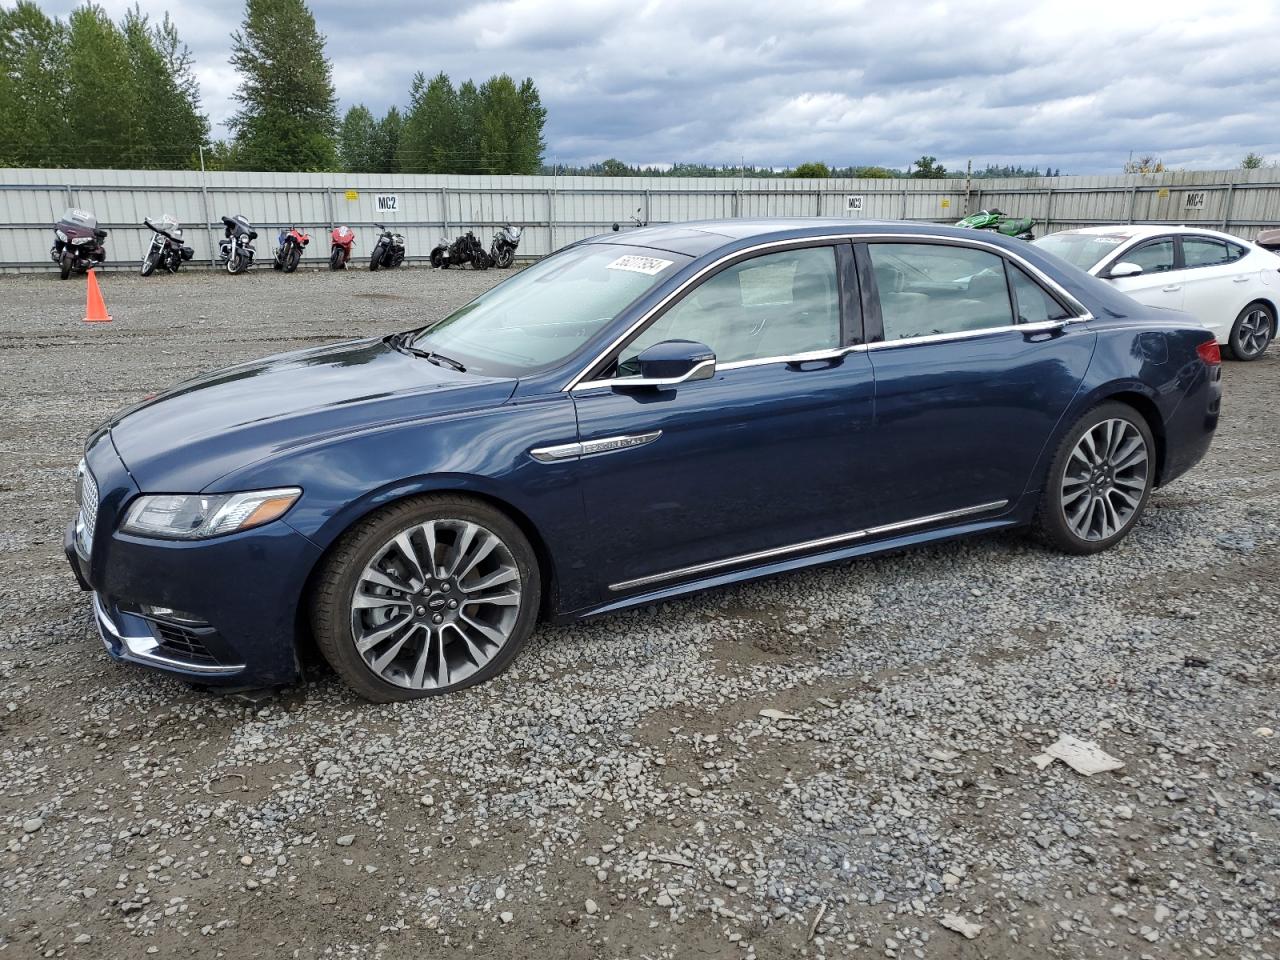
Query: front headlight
x: 80, y: 240
x: 199, y: 516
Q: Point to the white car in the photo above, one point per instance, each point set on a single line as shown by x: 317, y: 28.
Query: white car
x: 1230, y: 285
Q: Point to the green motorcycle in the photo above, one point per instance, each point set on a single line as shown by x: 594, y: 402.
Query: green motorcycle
x: 998, y: 221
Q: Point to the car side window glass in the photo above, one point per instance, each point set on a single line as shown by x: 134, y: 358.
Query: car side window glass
x: 1035, y: 305
x: 775, y: 305
x: 928, y: 289
x: 1235, y: 252
x: 1153, y: 257
x: 1204, y: 252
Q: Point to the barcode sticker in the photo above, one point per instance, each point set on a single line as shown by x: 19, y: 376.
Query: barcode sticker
x: 650, y: 266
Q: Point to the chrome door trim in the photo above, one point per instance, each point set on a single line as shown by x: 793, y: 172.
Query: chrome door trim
x: 591, y: 448
x: 1040, y: 326
x: 806, y: 545
x: 1082, y: 312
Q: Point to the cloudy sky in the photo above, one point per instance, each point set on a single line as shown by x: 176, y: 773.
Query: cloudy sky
x: 1076, y: 84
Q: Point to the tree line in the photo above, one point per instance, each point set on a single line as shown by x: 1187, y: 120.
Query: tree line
x: 926, y: 168
x: 88, y: 92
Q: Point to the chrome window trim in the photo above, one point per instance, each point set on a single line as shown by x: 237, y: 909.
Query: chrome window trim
x: 1083, y: 314
x: 806, y: 545
x: 591, y: 448
x: 1040, y: 326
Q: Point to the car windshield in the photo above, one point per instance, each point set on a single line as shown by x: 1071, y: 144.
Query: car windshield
x: 543, y: 314
x: 1083, y: 250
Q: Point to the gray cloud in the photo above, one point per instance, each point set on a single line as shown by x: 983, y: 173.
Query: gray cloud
x: 1074, y: 85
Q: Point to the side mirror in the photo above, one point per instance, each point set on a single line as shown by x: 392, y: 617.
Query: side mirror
x: 672, y: 362
x: 1124, y: 268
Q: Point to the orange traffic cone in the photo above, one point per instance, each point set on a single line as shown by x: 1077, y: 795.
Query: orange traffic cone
x: 96, y: 310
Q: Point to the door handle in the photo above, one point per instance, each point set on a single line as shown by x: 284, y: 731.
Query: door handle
x: 1172, y: 288
x: 1240, y: 279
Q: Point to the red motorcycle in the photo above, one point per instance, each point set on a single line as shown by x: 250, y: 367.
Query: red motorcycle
x: 344, y: 239
x: 289, y: 251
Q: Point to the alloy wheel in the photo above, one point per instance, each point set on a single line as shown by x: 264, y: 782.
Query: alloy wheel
x: 1105, y: 479
x: 435, y: 604
x: 1254, y: 332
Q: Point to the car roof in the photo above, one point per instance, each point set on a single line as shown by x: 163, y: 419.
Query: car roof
x: 1140, y: 231
x: 698, y: 237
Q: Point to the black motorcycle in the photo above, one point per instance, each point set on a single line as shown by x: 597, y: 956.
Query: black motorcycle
x: 235, y: 249
x: 465, y: 249
x: 167, y: 249
x: 388, y: 251
x: 503, y: 249
x: 77, y: 242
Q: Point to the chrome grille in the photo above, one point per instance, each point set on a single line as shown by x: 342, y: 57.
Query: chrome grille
x: 87, y: 498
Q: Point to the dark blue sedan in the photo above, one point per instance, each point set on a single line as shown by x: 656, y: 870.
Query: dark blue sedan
x: 637, y: 417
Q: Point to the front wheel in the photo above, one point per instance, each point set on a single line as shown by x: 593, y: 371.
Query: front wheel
x: 376, y: 260
x: 239, y: 263
x: 437, y: 258
x: 505, y: 258
x: 1252, y: 332
x: 64, y: 265
x: 425, y: 597
x: 1099, y: 481
x: 292, y: 260
x: 479, y: 260
x: 336, y: 260
x: 149, y: 262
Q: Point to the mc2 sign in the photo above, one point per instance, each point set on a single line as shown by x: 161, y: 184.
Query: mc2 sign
x: 387, y: 202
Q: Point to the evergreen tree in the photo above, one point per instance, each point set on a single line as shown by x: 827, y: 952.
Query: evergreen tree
x: 33, y: 123
x: 466, y: 155
x: 167, y: 124
x: 102, y: 128
x: 288, y: 113
x: 510, y: 126
x: 357, y: 141
x: 430, y: 136
x: 387, y: 142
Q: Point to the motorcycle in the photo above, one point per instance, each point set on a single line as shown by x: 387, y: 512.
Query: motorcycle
x: 77, y: 242
x: 465, y: 249
x: 167, y: 249
x: 342, y: 240
x: 1000, y: 222
x: 235, y: 249
x: 388, y: 251
x: 635, y: 221
x: 1269, y: 240
x: 503, y: 249
x: 289, y: 245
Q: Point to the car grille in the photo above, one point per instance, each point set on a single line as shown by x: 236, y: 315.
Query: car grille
x: 87, y: 498
x: 182, y: 643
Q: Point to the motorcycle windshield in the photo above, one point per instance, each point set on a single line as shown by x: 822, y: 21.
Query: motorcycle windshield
x: 78, y: 219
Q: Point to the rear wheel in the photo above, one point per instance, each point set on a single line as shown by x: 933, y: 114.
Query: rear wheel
x: 1252, y: 332
x: 425, y: 597
x: 1099, y: 481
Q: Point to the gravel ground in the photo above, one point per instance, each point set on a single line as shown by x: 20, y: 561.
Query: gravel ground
x: 619, y: 793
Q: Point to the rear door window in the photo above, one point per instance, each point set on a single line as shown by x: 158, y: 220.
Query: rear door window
x: 1205, y: 252
x: 1035, y: 304
x: 928, y: 289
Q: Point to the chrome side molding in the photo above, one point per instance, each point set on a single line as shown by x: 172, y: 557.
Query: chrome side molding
x: 807, y: 545
x: 590, y: 448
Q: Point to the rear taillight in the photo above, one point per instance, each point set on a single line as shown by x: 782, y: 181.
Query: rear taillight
x: 1210, y: 353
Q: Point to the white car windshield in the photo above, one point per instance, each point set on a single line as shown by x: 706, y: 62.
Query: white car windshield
x: 1083, y: 250
x: 545, y: 313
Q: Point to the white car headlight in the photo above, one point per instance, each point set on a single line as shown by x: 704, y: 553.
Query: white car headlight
x: 199, y: 516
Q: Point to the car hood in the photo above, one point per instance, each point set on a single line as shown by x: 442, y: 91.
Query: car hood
x: 184, y: 439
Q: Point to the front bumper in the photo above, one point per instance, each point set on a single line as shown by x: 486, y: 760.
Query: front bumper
x: 240, y: 594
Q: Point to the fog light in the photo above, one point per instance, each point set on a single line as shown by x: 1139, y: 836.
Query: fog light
x: 168, y: 613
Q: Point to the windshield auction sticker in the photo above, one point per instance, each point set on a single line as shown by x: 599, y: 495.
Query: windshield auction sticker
x: 650, y: 266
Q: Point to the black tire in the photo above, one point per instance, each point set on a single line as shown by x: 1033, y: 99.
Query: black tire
x: 336, y: 260
x: 292, y: 260
x: 149, y: 262
x: 239, y: 263
x: 64, y: 266
x: 480, y: 261
x: 506, y: 257
x: 1051, y: 524
x: 376, y: 259
x: 1252, y: 332
x: 330, y: 601
x: 437, y: 258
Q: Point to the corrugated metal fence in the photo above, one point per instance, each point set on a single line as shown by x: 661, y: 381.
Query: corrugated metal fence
x: 558, y: 210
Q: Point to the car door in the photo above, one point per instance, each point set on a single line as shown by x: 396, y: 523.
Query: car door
x: 1214, y: 281
x: 1160, y: 283
x: 975, y: 362
x: 767, y: 455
